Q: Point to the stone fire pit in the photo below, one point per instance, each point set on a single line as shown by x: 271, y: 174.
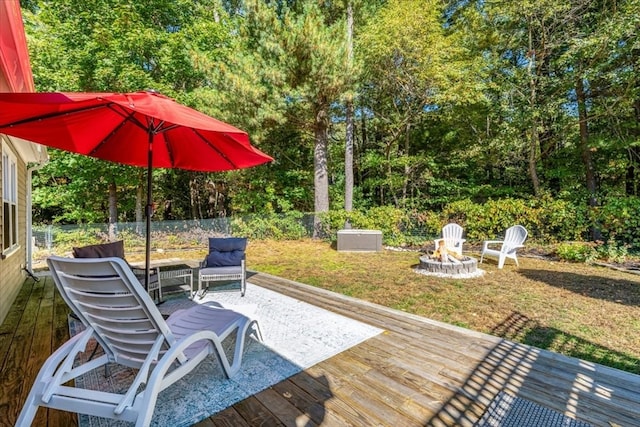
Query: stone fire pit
x: 465, y: 267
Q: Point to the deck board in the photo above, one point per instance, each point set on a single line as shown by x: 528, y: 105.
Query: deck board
x: 417, y: 372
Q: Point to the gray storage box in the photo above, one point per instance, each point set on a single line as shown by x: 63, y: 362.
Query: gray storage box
x: 360, y: 240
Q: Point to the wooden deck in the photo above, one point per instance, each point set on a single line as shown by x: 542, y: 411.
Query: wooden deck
x: 417, y: 373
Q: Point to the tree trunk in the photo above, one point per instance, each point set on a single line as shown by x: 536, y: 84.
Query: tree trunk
x: 363, y: 141
x: 139, y: 203
x: 533, y: 173
x: 113, y: 211
x: 320, y: 176
x: 348, y: 159
x: 533, y: 140
x: 407, y: 166
x: 387, y: 156
x: 632, y: 176
x: 587, y: 158
x: 194, y: 196
x: 348, y: 152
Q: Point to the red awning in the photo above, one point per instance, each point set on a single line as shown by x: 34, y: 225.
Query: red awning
x: 15, y: 70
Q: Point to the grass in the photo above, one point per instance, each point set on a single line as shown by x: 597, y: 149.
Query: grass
x: 579, y: 310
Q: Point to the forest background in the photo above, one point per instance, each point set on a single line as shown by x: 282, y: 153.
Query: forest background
x: 484, y: 113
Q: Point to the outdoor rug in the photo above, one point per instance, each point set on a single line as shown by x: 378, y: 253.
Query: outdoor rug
x: 296, y: 336
x: 510, y: 411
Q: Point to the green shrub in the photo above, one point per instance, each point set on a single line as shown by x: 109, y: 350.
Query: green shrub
x: 387, y: 219
x: 619, y: 219
x: 66, y: 239
x: 560, y: 220
x: 289, y: 226
x: 421, y: 227
x: 547, y: 220
x: 576, y: 251
x: 544, y: 218
x: 612, y: 251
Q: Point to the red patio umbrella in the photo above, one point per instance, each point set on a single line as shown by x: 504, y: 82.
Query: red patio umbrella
x: 139, y: 129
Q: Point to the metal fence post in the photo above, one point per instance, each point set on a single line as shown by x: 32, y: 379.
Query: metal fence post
x: 49, y: 237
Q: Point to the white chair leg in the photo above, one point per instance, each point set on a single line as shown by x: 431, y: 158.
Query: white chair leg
x: 200, y: 291
x: 28, y: 410
x: 501, y: 261
x: 190, y: 285
x: 256, y: 331
x: 243, y: 279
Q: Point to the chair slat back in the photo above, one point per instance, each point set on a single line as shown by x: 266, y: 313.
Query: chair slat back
x: 452, y: 231
x: 513, y: 238
x: 105, y: 295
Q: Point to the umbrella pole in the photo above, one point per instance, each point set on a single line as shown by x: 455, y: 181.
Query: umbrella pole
x: 149, y: 209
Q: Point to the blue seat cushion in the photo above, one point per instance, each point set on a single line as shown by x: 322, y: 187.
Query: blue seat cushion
x: 224, y: 252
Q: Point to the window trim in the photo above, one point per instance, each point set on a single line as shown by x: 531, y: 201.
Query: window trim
x: 10, y: 196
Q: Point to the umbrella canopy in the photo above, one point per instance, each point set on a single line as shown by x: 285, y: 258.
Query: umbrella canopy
x: 117, y: 127
x: 138, y: 129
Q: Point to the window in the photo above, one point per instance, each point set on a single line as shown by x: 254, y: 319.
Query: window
x: 9, y: 201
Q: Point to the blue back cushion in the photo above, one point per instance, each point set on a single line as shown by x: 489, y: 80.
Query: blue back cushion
x: 225, y: 252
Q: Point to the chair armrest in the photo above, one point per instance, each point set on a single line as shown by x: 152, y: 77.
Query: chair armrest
x: 493, y: 241
x: 486, y: 243
x: 142, y: 270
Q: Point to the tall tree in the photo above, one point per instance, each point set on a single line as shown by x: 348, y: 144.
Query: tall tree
x: 415, y: 69
x: 114, y: 46
x: 299, y: 51
x: 349, y: 136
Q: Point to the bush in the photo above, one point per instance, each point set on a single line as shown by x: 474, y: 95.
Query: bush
x: 387, y: 219
x: 547, y: 219
x: 560, y: 220
x: 289, y: 226
x: 612, y: 251
x: 421, y: 227
x: 66, y: 239
x: 576, y: 251
x: 619, y: 220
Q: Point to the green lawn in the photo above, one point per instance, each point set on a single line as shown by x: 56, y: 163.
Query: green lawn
x: 579, y: 310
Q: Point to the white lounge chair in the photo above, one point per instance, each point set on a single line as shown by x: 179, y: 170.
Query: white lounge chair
x: 514, y: 238
x: 120, y: 315
x: 452, y: 237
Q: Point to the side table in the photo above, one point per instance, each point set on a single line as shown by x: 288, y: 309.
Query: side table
x: 184, y: 273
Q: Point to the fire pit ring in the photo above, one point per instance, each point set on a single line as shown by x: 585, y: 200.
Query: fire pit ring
x: 465, y: 267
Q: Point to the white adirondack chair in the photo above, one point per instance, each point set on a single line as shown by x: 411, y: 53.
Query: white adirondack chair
x: 514, y: 239
x: 452, y: 237
x: 116, y: 311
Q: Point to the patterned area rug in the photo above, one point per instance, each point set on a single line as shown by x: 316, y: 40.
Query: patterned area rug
x: 510, y: 411
x: 296, y: 335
